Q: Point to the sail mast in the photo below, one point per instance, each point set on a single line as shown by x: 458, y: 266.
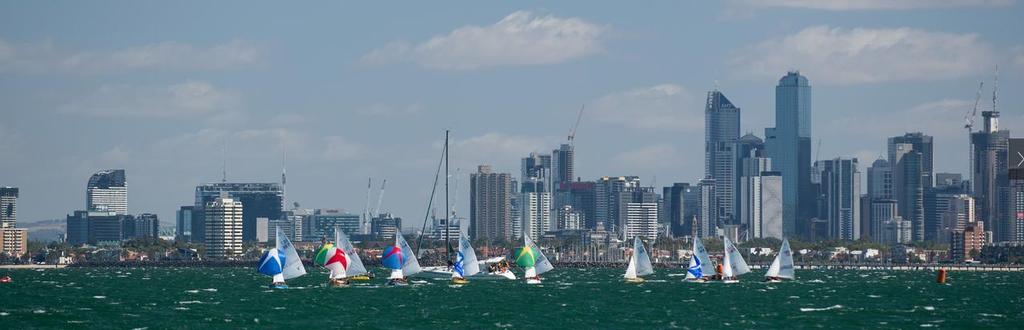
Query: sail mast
x: 447, y: 207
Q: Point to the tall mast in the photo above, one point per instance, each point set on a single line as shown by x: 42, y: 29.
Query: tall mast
x: 447, y: 207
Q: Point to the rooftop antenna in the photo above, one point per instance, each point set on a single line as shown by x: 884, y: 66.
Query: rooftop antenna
x: 224, y: 159
x: 995, y: 91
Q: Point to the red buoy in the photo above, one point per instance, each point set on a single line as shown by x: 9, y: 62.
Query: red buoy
x: 942, y: 276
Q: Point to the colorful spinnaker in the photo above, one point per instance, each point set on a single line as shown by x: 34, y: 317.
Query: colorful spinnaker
x: 332, y: 258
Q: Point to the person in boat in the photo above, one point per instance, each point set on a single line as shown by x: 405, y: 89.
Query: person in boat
x: 772, y: 279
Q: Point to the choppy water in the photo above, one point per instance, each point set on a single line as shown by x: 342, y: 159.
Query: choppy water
x: 593, y: 298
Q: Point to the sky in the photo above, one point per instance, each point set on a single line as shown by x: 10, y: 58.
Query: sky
x: 340, y: 92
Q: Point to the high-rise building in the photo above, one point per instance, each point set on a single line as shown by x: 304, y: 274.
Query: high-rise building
x: 706, y: 222
x: 325, y: 220
x: 536, y: 166
x: 923, y: 144
x: 990, y: 177
x: 840, y: 202
x: 13, y: 241
x: 721, y: 135
x: 880, y: 181
x: 224, y: 225
x: 957, y: 212
x: 1015, y: 222
x: 582, y: 196
x: 145, y: 225
x: 609, y: 201
x: 569, y: 218
x: 967, y: 242
x: 535, y: 213
x: 189, y: 225
x: 908, y: 185
x: 490, y: 204
x: 107, y: 190
x: 681, y: 204
x: 385, y: 226
x: 641, y: 220
x: 883, y: 211
x: 8, y: 207
x: 761, y: 203
x: 789, y: 146
x: 261, y: 200
x: 105, y: 227
x: 937, y: 202
x: 562, y: 164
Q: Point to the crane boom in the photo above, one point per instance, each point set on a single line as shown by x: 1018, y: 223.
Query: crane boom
x: 572, y: 133
x: 380, y: 198
x: 974, y: 111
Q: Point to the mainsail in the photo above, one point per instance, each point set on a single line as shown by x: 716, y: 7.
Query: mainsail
x: 541, y: 262
x: 643, y: 260
x: 292, y: 264
x: 739, y: 266
x: 727, y: 260
x: 782, y: 266
x: 700, y: 262
x: 355, y: 265
x: 411, y: 265
x: 466, y: 263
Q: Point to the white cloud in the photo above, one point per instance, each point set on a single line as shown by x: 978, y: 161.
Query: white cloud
x: 842, y: 5
x: 940, y: 118
x: 521, y: 38
x: 665, y: 106
x: 44, y: 57
x: 497, y: 149
x: 861, y: 55
x: 184, y: 99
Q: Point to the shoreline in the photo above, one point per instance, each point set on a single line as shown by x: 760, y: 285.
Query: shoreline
x: 614, y: 265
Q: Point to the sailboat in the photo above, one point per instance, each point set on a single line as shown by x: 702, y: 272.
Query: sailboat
x: 732, y: 263
x: 532, y: 260
x: 401, y: 260
x: 466, y: 264
x: 782, y: 267
x: 639, y: 263
x: 700, y: 268
x: 334, y: 259
x: 356, y: 271
x: 281, y: 262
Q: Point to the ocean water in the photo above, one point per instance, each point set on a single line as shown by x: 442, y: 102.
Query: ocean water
x: 160, y: 298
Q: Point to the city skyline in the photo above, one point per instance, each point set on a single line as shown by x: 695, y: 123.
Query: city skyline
x: 163, y: 104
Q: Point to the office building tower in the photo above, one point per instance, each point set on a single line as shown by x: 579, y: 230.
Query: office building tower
x: 145, y: 225
x: 535, y: 213
x: 569, y: 218
x: 490, y: 204
x: 880, y: 181
x: 937, y: 201
x: 865, y: 217
x: 224, y: 226
x: 13, y: 241
x: 789, y: 146
x: 582, y: 196
x: 261, y: 200
x: 186, y: 223
x: 956, y: 213
x: 923, y: 144
x: 1014, y: 231
x: 536, y: 166
x: 385, y: 226
x: 325, y: 220
x: 761, y: 203
x: 706, y: 225
x: 562, y: 164
x: 721, y: 137
x: 908, y: 186
x: 681, y: 204
x: 990, y: 178
x: 840, y: 202
x: 951, y: 180
x: 105, y: 227
x: 8, y: 207
x: 107, y: 191
x: 641, y: 220
x: 76, y: 228
x: 883, y: 211
x: 609, y: 201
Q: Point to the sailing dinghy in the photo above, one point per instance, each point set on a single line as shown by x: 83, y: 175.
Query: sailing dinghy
x: 466, y: 264
x: 334, y: 259
x: 782, y: 268
x: 532, y: 260
x: 401, y: 260
x: 639, y: 263
x: 732, y: 263
x: 281, y: 262
x: 700, y: 268
x: 356, y: 271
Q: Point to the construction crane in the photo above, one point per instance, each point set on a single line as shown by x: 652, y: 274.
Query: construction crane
x: 572, y: 132
x: 969, y: 125
x: 380, y: 198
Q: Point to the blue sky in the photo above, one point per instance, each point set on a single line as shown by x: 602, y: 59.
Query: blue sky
x: 366, y: 90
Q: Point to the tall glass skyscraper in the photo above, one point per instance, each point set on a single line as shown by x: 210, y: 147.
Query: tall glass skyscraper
x: 107, y: 190
x: 721, y: 134
x: 789, y: 146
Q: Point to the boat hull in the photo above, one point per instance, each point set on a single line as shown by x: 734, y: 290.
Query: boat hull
x: 635, y: 280
x: 398, y: 282
x: 459, y: 281
x: 533, y: 281
x: 730, y: 281
x: 278, y: 286
x: 360, y: 278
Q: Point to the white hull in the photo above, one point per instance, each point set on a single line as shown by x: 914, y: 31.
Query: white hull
x: 730, y: 281
x: 533, y: 281
x: 438, y: 272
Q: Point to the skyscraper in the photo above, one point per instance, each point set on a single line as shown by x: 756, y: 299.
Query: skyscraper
x: 189, y: 225
x: 680, y: 206
x: 911, y: 158
x: 8, y: 207
x: 261, y: 200
x: 107, y: 190
x: 562, y: 164
x: 224, y: 228
x: 923, y: 144
x: 610, y: 202
x: 789, y: 146
x: 721, y: 134
x: 991, y: 176
x: 535, y: 213
x: 840, y: 189
x: 490, y: 204
x: 706, y: 222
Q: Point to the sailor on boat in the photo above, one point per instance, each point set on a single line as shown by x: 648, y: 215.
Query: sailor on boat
x: 782, y: 266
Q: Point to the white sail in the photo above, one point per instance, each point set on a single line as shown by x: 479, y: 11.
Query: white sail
x: 785, y: 259
x: 355, y: 265
x: 542, y: 264
x: 739, y: 266
x: 773, y: 270
x: 643, y: 260
x: 706, y: 267
x: 293, y: 265
x: 726, y: 260
x: 530, y: 272
x: 411, y: 266
x: 470, y: 265
x: 631, y: 269
x: 396, y: 274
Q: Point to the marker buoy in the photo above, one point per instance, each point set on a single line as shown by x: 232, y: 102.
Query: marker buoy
x: 942, y: 276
